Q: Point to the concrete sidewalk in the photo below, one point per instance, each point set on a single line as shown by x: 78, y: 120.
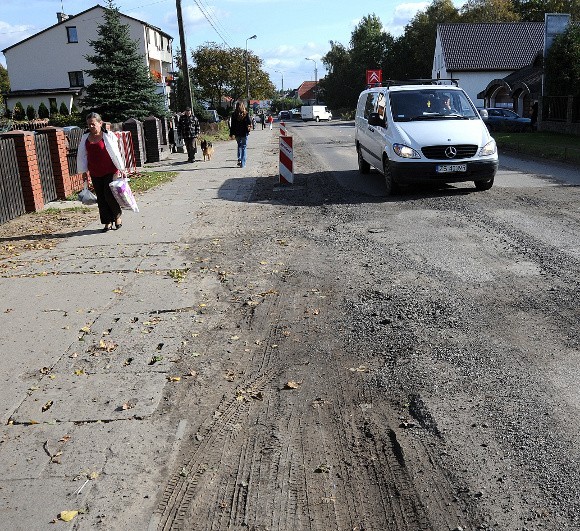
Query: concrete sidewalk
x: 78, y: 380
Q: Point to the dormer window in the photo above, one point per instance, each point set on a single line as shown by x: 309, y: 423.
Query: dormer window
x: 71, y: 33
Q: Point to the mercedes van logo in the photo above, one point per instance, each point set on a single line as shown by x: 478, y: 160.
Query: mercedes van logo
x: 450, y: 152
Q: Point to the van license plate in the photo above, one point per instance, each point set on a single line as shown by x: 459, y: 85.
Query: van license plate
x: 450, y: 168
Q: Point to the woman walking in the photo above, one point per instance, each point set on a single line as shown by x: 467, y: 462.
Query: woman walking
x: 240, y: 129
x: 99, y: 156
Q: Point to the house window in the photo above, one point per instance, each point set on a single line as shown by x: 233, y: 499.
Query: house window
x: 71, y: 33
x: 76, y: 79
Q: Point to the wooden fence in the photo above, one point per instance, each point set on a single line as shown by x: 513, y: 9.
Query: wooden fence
x: 45, y: 168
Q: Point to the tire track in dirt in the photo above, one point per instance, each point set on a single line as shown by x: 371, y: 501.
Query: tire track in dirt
x: 327, y: 455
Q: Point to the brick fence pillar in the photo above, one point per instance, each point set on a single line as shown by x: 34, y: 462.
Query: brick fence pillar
x: 66, y: 184
x: 28, y: 169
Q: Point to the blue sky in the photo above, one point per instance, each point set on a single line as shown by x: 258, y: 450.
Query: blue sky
x: 287, y: 31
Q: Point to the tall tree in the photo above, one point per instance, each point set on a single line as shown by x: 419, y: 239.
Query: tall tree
x: 122, y: 86
x: 562, y: 66
x: 489, y: 11
x: 4, y: 80
x: 534, y: 10
x: 369, y: 47
x: 413, y: 52
x: 218, y: 71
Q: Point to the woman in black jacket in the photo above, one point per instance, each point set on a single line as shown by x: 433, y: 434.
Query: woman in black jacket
x: 240, y: 129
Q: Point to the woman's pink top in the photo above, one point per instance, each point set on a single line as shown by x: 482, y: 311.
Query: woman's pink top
x: 98, y: 159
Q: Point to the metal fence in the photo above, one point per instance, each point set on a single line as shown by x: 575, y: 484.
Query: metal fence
x: 45, y: 167
x: 554, y: 108
x: 73, y: 136
x: 11, y: 196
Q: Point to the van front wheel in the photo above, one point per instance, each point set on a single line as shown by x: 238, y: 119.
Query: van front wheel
x: 363, y: 166
x: 483, y: 185
x: 390, y: 186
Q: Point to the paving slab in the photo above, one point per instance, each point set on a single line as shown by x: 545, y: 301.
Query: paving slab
x: 91, y: 398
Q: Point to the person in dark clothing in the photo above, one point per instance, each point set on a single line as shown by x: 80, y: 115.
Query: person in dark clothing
x: 534, y: 116
x: 240, y: 129
x: 188, y: 129
x: 263, y: 120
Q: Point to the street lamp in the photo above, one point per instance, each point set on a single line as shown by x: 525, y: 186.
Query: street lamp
x: 315, y: 79
x: 247, y: 77
x: 282, y: 74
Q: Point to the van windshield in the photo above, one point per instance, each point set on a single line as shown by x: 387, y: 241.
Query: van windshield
x: 429, y: 104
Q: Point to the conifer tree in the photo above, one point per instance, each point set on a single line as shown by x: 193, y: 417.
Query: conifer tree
x: 122, y: 87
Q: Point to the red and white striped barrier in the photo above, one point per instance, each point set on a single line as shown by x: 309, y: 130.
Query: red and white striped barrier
x: 283, y: 130
x: 127, y: 151
x: 286, y: 160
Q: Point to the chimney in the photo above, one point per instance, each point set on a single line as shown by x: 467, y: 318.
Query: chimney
x: 61, y: 17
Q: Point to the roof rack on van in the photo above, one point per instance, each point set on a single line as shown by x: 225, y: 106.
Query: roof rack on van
x: 441, y: 81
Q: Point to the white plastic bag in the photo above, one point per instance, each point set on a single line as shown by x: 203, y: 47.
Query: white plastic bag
x: 86, y: 196
x: 123, y: 194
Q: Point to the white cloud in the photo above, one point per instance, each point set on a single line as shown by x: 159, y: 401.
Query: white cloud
x: 402, y: 16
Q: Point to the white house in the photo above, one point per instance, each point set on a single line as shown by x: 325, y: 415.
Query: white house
x: 49, y: 66
x: 476, y: 54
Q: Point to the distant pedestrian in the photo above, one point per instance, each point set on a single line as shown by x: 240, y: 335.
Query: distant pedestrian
x: 270, y: 120
x: 240, y: 129
x: 534, y: 116
x: 263, y: 120
x: 99, y: 157
x: 253, y: 123
x: 189, y: 129
x: 171, y: 137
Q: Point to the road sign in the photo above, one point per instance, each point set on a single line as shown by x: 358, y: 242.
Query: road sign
x: 374, y: 77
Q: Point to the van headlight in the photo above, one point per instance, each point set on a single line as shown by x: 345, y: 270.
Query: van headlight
x: 489, y: 148
x: 405, y: 151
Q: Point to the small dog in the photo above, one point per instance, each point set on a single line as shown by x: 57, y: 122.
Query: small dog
x: 207, y: 149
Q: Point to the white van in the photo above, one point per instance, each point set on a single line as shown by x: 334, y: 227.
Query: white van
x: 315, y: 112
x: 423, y: 131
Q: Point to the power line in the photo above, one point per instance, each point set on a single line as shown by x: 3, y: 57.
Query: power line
x: 209, y: 19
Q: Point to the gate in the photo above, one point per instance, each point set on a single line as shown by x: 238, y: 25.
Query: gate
x: 11, y: 196
x: 73, y: 136
x: 45, y: 167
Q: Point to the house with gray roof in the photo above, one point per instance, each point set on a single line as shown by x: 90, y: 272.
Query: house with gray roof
x: 49, y: 66
x: 477, y: 54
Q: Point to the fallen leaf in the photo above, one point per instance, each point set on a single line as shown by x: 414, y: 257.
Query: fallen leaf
x: 79, y: 372
x: 174, y: 378
x: 65, y: 438
x: 67, y: 516
x: 292, y: 385
x: 360, y: 368
x: 47, y: 406
x: 107, y: 346
x: 128, y: 405
x: 118, y: 290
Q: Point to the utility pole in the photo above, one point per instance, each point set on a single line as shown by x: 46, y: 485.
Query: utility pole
x: 184, y: 67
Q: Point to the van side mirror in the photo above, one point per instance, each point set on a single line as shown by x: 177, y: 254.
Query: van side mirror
x: 484, y: 114
x: 376, y: 120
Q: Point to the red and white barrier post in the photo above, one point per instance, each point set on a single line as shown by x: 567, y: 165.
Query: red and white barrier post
x: 283, y: 130
x: 286, y: 160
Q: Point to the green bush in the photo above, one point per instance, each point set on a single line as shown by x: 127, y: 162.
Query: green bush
x: 53, y: 107
x: 30, y: 112
x: 43, y: 111
x: 73, y: 109
x: 18, y: 112
x: 63, y: 109
x: 61, y: 120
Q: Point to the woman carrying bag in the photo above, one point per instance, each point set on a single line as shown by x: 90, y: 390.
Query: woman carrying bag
x: 240, y: 129
x: 99, y: 156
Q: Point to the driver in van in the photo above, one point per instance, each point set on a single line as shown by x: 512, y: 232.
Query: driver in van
x: 446, y: 107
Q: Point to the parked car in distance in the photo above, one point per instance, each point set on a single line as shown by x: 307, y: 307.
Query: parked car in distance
x: 500, y: 119
x: 285, y: 115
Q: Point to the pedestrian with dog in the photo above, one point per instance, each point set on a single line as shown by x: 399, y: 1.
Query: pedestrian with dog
x: 240, y: 129
x: 189, y: 129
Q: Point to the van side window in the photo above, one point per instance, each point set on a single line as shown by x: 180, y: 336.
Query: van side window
x: 370, y: 104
